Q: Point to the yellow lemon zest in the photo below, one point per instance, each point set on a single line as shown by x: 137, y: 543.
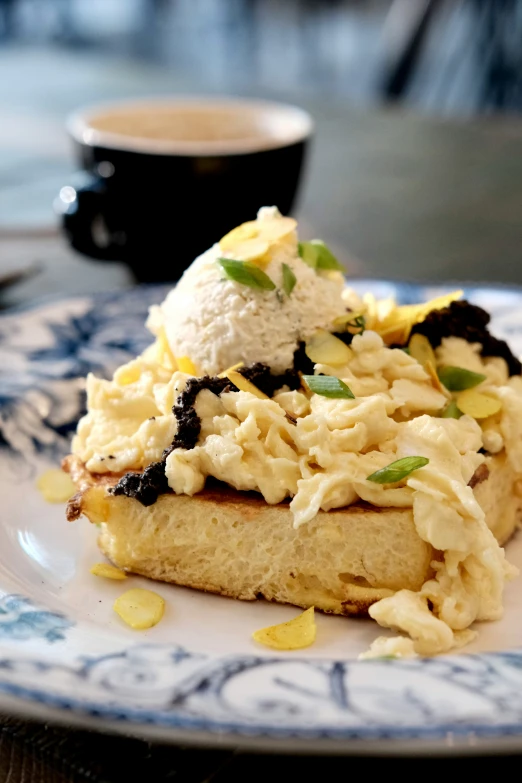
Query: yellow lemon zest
x: 224, y: 374
x: 164, y: 353
x: 185, y: 364
x: 108, y: 571
x: 245, y: 385
x: 394, y: 323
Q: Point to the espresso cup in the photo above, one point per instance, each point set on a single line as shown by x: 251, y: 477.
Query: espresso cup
x: 162, y: 180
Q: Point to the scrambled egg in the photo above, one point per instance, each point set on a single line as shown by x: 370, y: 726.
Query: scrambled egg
x: 323, y: 461
x: 130, y: 420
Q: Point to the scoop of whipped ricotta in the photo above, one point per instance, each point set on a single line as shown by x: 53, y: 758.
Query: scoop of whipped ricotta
x: 216, y: 322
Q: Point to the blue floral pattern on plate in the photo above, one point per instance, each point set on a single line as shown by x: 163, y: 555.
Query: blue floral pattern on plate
x: 20, y: 619
x: 44, y: 355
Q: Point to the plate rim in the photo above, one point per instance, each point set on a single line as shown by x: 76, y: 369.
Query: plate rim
x: 466, y: 744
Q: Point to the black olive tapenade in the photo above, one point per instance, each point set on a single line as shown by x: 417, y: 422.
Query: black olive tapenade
x: 261, y: 376
x: 189, y: 423
x: 147, y: 486
x: 462, y: 319
x: 301, y: 361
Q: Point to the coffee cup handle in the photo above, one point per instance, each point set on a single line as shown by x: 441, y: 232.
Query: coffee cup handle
x: 83, y: 209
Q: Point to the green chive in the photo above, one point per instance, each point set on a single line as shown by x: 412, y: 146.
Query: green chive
x: 358, y: 323
x: 245, y: 273
x: 397, y: 470
x: 328, y: 386
x: 451, y: 411
x: 326, y: 259
x: 289, y: 279
x: 308, y: 253
x: 318, y: 255
x: 458, y: 379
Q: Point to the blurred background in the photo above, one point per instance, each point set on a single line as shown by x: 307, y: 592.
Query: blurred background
x: 416, y: 169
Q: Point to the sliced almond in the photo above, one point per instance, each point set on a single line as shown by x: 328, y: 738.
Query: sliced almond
x: 239, y: 234
x: 293, y: 635
x: 252, y: 240
x: 56, y: 486
x: 342, y: 320
x: 421, y: 350
x: 274, y: 230
x: 139, y: 608
x: 478, y: 405
x: 435, y: 380
x: 254, y: 250
x: 108, y: 571
x: 245, y: 385
x: 324, y: 348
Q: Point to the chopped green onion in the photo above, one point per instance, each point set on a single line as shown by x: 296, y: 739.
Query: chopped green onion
x: 397, y: 470
x: 326, y: 259
x: 459, y: 379
x: 451, y: 411
x: 289, y: 279
x: 246, y: 273
x: 328, y: 386
x: 308, y: 253
x: 359, y: 322
x: 318, y: 255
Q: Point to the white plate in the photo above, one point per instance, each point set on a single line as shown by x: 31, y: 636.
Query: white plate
x: 198, y: 676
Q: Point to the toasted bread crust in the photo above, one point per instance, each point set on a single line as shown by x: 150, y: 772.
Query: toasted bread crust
x: 235, y: 544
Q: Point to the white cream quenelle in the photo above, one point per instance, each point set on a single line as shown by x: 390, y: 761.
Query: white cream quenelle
x: 217, y: 322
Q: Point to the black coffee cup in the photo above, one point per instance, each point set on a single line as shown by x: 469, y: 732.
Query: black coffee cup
x: 163, y: 180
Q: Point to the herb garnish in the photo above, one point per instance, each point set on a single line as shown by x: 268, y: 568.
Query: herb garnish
x: 318, y: 255
x: 397, y: 470
x: 328, y: 386
x: 357, y: 325
x: 289, y: 279
x: 459, y: 379
x: 451, y: 411
x: 246, y: 273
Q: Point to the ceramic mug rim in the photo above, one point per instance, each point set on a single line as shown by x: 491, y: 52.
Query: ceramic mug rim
x: 300, y: 126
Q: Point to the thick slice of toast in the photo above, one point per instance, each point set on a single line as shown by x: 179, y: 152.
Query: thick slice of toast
x: 235, y: 544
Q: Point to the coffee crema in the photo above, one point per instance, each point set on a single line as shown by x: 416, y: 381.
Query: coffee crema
x: 213, y: 126
x: 173, y: 125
